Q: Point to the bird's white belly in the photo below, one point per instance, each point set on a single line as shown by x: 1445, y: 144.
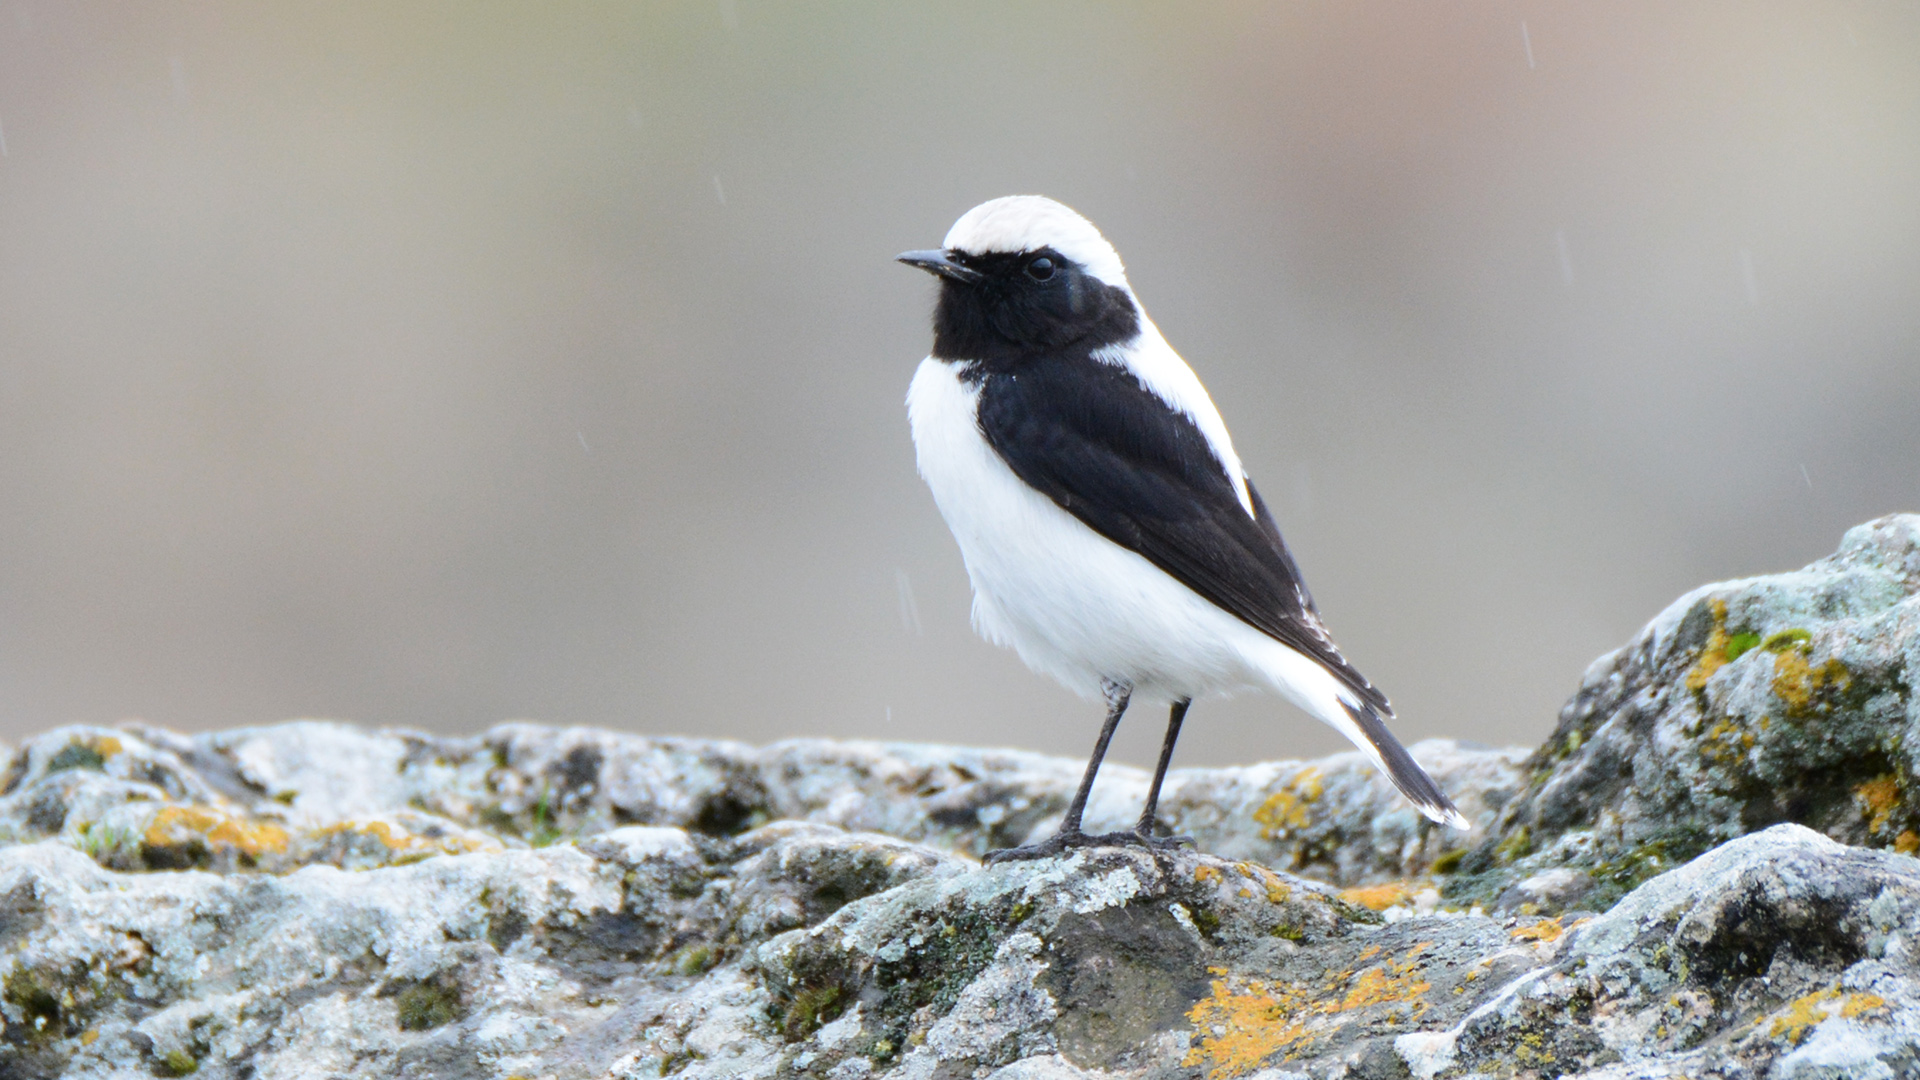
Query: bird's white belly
x: 1072, y: 603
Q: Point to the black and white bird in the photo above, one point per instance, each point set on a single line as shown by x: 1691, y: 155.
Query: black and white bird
x: 1112, y: 537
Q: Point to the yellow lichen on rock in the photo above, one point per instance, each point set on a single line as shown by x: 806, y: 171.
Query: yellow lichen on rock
x: 397, y: 845
x: 1287, y: 808
x: 1806, y: 1013
x: 1795, y: 680
x: 1878, y: 798
x: 1381, y: 897
x: 1276, y: 889
x: 176, y: 825
x: 1726, y: 742
x: 1243, y: 1022
x: 1713, y: 656
x: 1387, y: 983
x: 1543, y: 932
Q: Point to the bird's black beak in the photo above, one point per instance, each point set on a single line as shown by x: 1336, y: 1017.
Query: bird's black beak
x: 938, y: 262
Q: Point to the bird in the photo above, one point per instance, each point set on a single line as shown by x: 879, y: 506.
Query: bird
x: 1110, y: 533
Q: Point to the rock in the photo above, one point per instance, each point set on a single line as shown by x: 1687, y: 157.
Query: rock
x: 1779, y: 954
x: 1744, y: 704
x: 277, y: 798
x: 1704, y: 873
x: 802, y: 949
x: 312, y: 898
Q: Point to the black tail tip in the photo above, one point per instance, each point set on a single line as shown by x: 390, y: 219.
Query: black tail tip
x: 1406, y: 773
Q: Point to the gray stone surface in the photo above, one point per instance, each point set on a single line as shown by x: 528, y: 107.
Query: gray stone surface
x: 1746, y: 703
x: 317, y: 900
x: 275, y: 798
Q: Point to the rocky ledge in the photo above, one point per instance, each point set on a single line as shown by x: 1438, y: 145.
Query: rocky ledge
x: 1705, y: 872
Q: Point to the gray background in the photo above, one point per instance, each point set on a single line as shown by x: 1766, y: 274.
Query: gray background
x: 442, y: 364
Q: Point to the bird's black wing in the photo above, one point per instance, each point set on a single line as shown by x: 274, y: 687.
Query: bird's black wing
x: 1090, y: 437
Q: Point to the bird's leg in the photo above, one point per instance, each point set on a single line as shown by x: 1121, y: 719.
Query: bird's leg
x: 1145, y: 828
x: 1117, y: 698
x: 1070, y: 835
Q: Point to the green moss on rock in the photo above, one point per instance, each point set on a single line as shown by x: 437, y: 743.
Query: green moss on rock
x: 425, y: 1005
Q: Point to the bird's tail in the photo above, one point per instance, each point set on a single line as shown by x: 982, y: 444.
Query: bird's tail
x: 1360, y: 715
x: 1368, y: 731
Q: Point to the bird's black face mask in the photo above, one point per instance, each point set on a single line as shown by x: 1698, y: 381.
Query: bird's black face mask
x: 1006, y: 309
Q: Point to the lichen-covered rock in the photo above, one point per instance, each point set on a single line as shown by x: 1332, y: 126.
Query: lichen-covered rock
x: 1780, y: 954
x: 803, y: 950
x: 277, y: 798
x: 795, y: 948
x: 316, y: 900
x: 1746, y: 703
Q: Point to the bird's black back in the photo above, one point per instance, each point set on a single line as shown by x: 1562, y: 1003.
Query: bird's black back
x: 1084, y: 431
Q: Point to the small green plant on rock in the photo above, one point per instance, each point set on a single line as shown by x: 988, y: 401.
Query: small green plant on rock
x: 423, y: 1006
x: 813, y: 1007
x: 544, y: 830
x: 77, y: 755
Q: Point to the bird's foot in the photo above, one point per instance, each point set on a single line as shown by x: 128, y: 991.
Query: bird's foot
x: 1143, y: 836
x: 1057, y: 844
x: 1062, y: 842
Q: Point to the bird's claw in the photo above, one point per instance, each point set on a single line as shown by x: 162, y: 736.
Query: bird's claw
x: 1062, y: 842
x: 1156, y: 843
x: 1057, y: 844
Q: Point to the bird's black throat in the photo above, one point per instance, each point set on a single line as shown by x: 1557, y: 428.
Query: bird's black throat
x: 1008, y: 320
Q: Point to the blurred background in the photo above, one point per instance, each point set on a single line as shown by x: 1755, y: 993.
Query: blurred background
x: 442, y: 364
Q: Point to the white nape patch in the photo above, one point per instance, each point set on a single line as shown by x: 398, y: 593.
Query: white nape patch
x: 1160, y: 370
x: 1030, y: 222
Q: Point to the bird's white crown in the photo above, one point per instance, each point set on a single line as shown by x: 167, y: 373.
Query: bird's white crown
x: 1030, y: 222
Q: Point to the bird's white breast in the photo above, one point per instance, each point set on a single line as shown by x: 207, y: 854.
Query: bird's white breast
x: 1072, y: 603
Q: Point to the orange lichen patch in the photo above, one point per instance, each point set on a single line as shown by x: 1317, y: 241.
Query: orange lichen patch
x: 404, y: 845
x: 1277, y: 890
x: 1713, y: 656
x: 1244, y: 1021
x: 1544, y: 931
x: 1857, y: 1005
x: 1288, y: 808
x: 1907, y: 842
x: 1796, y: 681
x: 175, y: 825
x: 1207, y: 873
x: 1385, y: 984
x: 1809, y: 1012
x: 1727, y: 742
x: 1878, y: 798
x: 1382, y: 897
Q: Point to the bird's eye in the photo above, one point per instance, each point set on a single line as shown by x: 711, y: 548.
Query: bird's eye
x: 1040, y: 269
